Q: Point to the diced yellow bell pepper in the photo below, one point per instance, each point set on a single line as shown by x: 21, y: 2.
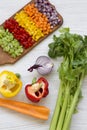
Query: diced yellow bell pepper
x: 10, y: 84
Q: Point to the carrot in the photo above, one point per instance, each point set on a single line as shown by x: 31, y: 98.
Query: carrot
x: 38, y: 18
x: 40, y: 112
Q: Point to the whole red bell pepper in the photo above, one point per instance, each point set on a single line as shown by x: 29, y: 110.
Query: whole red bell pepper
x: 37, y: 90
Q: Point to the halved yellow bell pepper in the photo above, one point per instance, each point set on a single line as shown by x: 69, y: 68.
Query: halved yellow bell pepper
x: 10, y: 84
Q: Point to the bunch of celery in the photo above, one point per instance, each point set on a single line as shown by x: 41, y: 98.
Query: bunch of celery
x: 73, y: 69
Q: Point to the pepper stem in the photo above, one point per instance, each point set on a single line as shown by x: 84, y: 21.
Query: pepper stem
x: 34, y: 80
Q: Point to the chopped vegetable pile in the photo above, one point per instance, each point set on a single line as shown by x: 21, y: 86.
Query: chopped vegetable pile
x: 26, y: 22
x: 38, y: 18
x: 28, y: 26
x: 73, y: 69
x: 47, y: 9
x: 9, y: 43
x: 19, y: 33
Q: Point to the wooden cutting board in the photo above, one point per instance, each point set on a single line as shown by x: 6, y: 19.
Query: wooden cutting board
x: 5, y: 58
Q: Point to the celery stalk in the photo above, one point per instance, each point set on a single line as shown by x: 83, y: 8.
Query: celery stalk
x: 70, y: 113
x: 73, y: 69
x: 55, y: 117
x: 64, y: 107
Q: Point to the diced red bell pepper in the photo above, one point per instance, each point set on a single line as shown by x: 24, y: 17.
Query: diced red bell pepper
x: 35, y: 92
x: 19, y: 33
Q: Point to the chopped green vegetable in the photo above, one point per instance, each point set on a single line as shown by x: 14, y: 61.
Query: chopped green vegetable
x: 73, y: 69
x: 9, y: 44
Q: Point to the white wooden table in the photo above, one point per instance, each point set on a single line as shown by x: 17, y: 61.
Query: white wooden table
x: 74, y: 13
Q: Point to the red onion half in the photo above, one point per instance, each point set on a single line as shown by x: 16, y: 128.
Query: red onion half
x: 43, y: 65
